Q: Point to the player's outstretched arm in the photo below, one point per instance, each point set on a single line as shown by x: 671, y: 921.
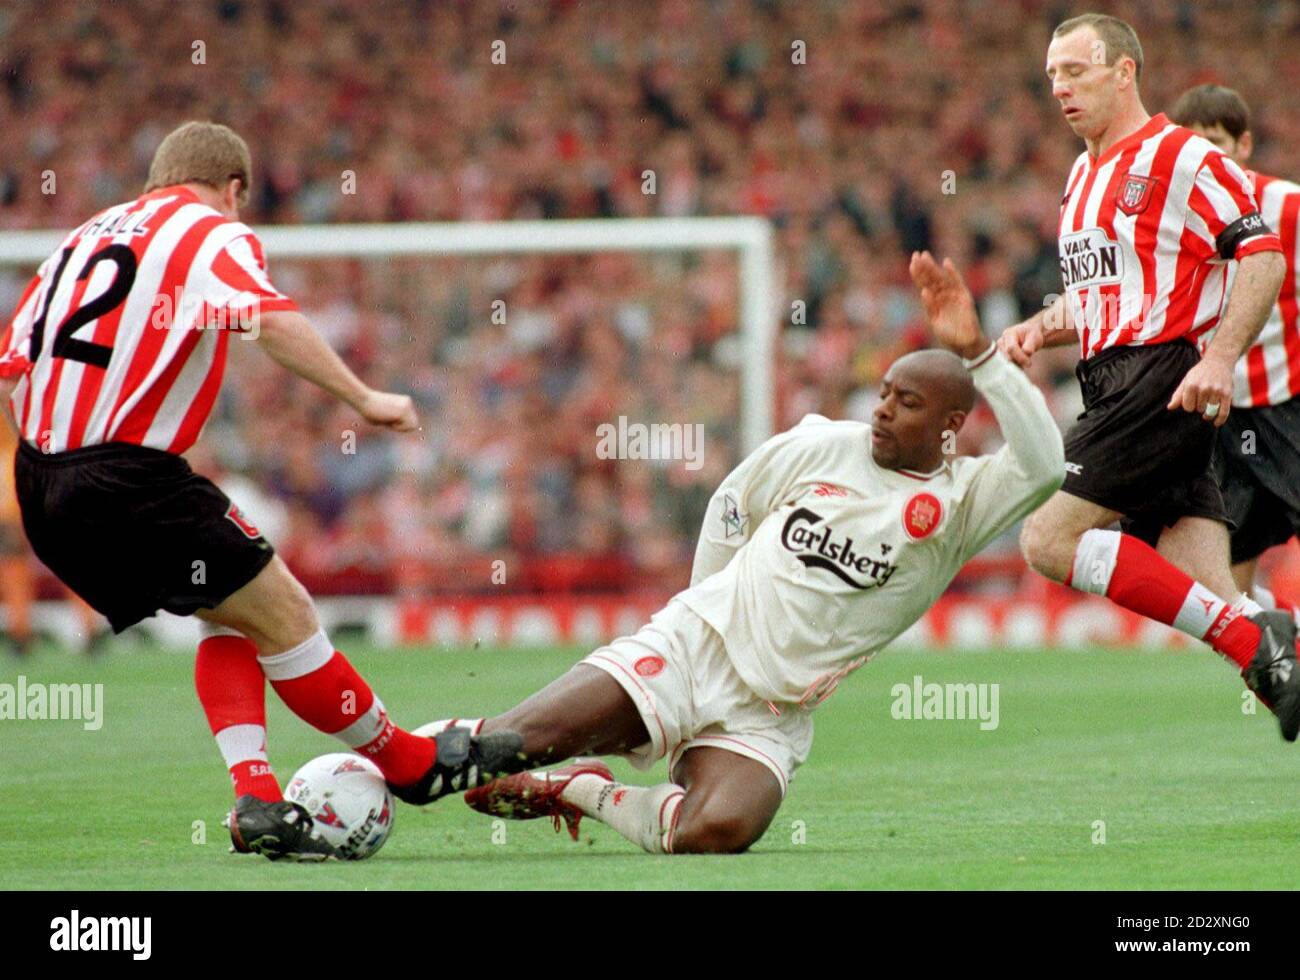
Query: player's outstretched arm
x: 291, y: 341
x: 949, y: 306
x: 1031, y: 466
x: 1021, y: 475
x: 951, y: 312
x: 1049, y: 327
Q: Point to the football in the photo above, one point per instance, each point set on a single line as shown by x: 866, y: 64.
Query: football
x: 348, y: 799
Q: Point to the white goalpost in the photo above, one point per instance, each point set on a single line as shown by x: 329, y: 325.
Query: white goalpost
x: 749, y: 237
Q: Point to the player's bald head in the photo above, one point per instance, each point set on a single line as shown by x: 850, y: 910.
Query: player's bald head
x: 940, y: 375
x: 924, y: 398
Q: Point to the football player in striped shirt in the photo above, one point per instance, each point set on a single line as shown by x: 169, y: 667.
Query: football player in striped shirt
x: 1153, y: 216
x: 111, y: 365
x: 1258, y: 458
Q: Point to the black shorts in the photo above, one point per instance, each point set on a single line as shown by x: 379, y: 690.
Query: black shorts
x: 134, y: 530
x: 1257, y: 463
x: 1129, y: 453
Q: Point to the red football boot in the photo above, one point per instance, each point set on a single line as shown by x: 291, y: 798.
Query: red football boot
x: 529, y: 795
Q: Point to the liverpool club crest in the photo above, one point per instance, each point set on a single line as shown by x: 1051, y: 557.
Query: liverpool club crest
x: 921, y: 515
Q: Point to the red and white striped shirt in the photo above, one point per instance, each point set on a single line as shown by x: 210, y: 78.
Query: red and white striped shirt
x: 1146, y: 234
x: 1269, y: 372
x: 121, y: 336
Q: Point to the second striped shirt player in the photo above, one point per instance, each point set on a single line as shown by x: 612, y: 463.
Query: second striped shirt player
x: 1258, y: 458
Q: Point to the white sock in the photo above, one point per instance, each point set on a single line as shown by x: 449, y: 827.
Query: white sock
x: 1266, y: 601
x: 645, y: 815
x: 1249, y: 607
x: 242, y: 743
x: 307, y: 657
x: 370, y: 724
x: 1094, y: 561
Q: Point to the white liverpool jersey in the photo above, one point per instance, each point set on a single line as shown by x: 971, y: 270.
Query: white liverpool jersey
x: 813, y: 557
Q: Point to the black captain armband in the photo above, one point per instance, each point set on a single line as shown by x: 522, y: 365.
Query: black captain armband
x: 1246, y: 227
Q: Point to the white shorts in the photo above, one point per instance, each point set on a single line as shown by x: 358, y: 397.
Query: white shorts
x: 678, y: 674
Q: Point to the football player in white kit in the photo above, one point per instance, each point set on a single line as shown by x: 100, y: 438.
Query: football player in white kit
x: 822, y: 546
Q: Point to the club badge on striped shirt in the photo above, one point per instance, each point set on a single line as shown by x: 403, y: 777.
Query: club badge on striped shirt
x: 1134, y: 193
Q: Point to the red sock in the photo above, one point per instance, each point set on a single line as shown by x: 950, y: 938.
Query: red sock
x: 232, y: 690
x: 254, y: 778
x: 324, y: 690
x: 1132, y: 574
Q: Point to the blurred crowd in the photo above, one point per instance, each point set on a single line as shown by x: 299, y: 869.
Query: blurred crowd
x: 862, y: 129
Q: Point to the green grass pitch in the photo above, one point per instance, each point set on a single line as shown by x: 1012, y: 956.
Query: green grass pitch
x: 1193, y: 792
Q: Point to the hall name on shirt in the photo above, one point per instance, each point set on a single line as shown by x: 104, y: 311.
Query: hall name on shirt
x: 122, y: 223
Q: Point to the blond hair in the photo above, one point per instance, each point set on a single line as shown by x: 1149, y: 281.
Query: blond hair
x: 201, y: 153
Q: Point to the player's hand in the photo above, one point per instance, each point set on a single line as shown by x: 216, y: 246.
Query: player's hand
x: 1206, y: 390
x: 1021, y: 342
x: 949, y: 306
x: 389, y: 411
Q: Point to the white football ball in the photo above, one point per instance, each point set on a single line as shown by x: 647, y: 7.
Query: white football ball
x: 348, y: 800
